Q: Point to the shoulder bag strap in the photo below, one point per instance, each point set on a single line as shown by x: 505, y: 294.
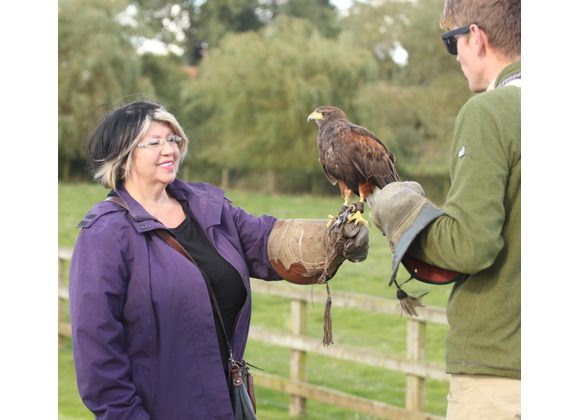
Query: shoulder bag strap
x: 173, y: 243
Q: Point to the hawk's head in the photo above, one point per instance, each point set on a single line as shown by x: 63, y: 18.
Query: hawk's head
x: 326, y: 113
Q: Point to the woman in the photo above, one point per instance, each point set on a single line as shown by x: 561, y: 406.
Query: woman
x: 147, y: 340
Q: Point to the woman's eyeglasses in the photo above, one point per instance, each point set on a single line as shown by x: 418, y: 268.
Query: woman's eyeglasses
x: 450, y: 40
x: 158, y: 142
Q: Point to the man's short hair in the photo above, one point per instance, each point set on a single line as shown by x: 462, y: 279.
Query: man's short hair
x: 499, y: 19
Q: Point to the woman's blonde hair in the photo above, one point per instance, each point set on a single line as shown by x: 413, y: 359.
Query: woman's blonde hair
x: 110, y: 147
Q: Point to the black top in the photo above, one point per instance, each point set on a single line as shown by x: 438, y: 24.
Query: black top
x: 225, y: 281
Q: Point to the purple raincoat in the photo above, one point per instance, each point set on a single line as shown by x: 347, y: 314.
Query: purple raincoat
x: 144, y: 339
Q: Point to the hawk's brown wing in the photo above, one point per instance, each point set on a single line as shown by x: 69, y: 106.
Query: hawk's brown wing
x: 354, y: 155
x: 370, y: 156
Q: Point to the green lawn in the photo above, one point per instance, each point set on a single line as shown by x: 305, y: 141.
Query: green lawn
x: 350, y: 327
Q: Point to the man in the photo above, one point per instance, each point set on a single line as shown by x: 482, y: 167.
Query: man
x: 477, y: 231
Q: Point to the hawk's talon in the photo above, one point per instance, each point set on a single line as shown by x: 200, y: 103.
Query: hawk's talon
x: 359, y: 206
x: 357, y: 218
x: 343, y: 217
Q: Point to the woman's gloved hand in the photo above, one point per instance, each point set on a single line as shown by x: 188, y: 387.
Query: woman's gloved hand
x: 356, y: 245
x: 304, y: 251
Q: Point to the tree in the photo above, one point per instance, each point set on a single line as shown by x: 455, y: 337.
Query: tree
x: 320, y: 13
x: 199, y: 25
x: 428, y: 59
x: 97, y: 66
x: 379, y: 28
x: 413, y: 107
x: 167, y: 75
x: 254, y: 93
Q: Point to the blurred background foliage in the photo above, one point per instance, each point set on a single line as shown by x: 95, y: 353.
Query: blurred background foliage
x: 242, y: 76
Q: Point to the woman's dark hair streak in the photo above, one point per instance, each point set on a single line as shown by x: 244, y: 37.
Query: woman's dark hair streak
x: 110, y: 147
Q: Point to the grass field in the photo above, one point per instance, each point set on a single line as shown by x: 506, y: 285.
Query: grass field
x: 350, y: 327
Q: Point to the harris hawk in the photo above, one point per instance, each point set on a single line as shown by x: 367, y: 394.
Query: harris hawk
x: 354, y: 157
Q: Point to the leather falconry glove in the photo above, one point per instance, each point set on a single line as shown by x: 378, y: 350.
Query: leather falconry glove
x: 401, y: 212
x: 307, y: 252
x: 304, y: 251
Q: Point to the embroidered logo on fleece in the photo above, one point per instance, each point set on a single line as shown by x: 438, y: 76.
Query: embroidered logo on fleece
x: 461, y: 152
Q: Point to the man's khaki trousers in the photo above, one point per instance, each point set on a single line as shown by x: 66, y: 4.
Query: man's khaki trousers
x: 481, y: 397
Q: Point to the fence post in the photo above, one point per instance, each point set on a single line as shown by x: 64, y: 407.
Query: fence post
x: 416, y: 351
x: 298, y: 357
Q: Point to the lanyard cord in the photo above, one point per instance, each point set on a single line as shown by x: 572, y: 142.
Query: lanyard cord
x: 504, y: 82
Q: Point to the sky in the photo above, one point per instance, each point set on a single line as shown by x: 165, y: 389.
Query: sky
x: 341, y: 4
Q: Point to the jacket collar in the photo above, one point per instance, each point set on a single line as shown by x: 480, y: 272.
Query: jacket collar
x: 508, y: 71
x: 142, y: 220
x: 205, y: 201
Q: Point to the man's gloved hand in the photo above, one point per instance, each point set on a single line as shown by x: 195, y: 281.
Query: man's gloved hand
x: 401, y: 212
x: 303, y: 251
x: 395, y: 208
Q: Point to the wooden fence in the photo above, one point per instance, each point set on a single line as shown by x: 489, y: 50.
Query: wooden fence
x: 414, y: 365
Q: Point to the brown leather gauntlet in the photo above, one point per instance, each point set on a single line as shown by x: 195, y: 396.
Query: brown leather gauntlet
x: 303, y: 251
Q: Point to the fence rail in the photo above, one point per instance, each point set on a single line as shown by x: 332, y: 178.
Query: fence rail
x: 414, y: 365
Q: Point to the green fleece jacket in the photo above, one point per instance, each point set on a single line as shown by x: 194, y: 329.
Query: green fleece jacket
x: 479, y: 234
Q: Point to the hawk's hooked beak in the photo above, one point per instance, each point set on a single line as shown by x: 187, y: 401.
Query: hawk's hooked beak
x: 315, y: 116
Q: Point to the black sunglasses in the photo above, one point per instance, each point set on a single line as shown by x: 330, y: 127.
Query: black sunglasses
x: 450, y: 40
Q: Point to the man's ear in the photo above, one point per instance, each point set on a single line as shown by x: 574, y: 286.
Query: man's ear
x: 480, y: 39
